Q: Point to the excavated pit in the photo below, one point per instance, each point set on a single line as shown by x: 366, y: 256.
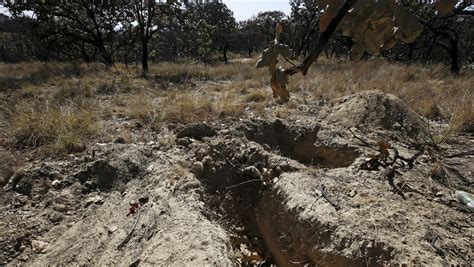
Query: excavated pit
x: 301, y: 144
x: 233, y: 189
x: 239, y: 192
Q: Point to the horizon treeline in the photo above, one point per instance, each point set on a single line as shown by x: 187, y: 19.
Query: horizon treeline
x: 139, y: 32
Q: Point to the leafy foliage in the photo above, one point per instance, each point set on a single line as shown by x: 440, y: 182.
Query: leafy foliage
x: 374, y: 26
x: 269, y: 59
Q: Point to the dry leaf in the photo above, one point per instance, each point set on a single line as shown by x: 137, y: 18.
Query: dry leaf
x: 445, y: 6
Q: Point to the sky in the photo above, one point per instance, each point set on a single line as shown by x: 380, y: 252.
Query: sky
x: 244, y: 9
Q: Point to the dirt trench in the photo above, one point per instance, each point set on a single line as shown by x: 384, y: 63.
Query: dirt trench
x: 246, y: 196
x: 301, y: 143
x: 239, y: 178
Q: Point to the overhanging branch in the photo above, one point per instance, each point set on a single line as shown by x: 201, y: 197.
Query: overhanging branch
x: 323, y: 39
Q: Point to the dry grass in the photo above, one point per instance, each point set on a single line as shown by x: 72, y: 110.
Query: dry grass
x: 182, y: 107
x: 61, y: 106
x: 432, y: 91
x: 64, y: 129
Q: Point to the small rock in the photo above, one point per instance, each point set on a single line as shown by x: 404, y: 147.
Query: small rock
x: 22, y: 247
x: 3, y: 180
x: 60, y: 207
x: 112, y: 229
x: 198, y: 166
x: 94, y: 200
x: 439, y: 194
x: 252, y: 172
x: 56, y: 183
x: 21, y: 199
x: 423, y: 159
x: 24, y: 258
x: 196, y: 131
x: 183, y: 142
x: 245, y: 251
x: 267, y: 174
x: 39, y: 246
x: 120, y: 140
x: 55, y: 217
x: 353, y: 193
x: 207, y: 161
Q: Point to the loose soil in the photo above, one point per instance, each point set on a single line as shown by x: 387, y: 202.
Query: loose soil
x: 253, y: 192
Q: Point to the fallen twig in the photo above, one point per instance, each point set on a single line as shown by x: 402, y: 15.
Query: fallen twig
x: 390, y: 174
x: 324, y: 194
x: 362, y: 140
x: 436, y: 247
x: 230, y: 162
x: 125, y: 240
x: 460, y: 256
x: 246, y: 182
x: 461, y: 154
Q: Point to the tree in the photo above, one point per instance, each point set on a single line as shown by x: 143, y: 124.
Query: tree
x: 88, y: 22
x: 249, y: 38
x: 217, y: 21
x: 264, y: 23
x: 304, y: 21
x: 150, y: 16
x: 445, y: 30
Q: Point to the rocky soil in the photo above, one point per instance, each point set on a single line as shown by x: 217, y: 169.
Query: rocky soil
x: 356, y: 181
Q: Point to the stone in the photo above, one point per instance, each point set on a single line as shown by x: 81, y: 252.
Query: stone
x: 55, y: 217
x: 183, y: 142
x: 112, y: 228
x: 60, y: 207
x: 196, y: 131
x: 120, y: 140
x: 94, y: 200
x: 423, y: 159
x: 207, y: 161
x: 353, y: 193
x: 56, y: 183
x: 39, y: 247
x: 198, y: 166
x: 24, y: 258
x: 252, y: 172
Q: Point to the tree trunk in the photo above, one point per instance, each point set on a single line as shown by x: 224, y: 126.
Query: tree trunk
x: 107, y: 59
x: 225, y: 53
x: 411, y: 48
x: 145, y: 56
x: 454, y: 55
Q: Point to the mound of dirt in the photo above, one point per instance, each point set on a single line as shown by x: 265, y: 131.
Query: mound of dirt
x: 373, y: 109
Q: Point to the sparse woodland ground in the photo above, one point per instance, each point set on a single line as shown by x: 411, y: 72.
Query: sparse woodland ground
x: 91, y: 139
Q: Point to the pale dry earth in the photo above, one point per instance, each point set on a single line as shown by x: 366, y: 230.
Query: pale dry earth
x: 258, y: 191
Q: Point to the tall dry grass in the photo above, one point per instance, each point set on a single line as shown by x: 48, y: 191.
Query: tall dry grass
x: 432, y: 91
x: 63, y: 107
